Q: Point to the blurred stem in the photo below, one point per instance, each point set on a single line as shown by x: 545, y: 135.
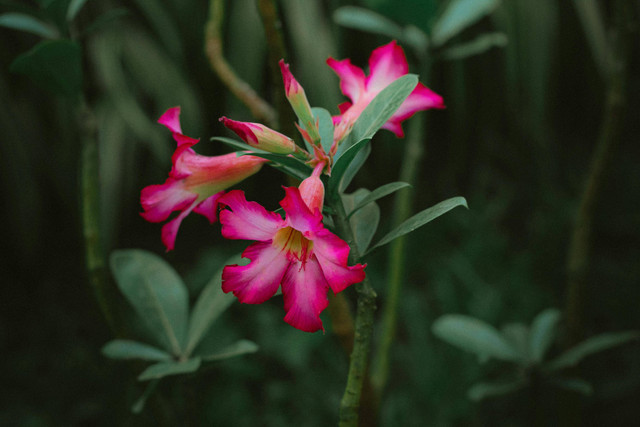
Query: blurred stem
x: 341, y: 320
x: 601, y: 162
x: 276, y: 51
x: 260, y: 109
x: 90, y: 181
x: 403, y: 207
x: 350, y: 404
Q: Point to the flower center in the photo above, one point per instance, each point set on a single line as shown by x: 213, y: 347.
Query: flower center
x: 294, y: 243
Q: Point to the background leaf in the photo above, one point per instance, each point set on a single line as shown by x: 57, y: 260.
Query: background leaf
x: 479, y: 45
x: 163, y: 369
x: 458, y: 15
x: 474, y: 335
x: 74, y: 7
x: 236, y: 349
x: 29, y: 24
x: 543, y: 332
x: 590, y: 346
x: 156, y: 292
x: 383, y: 190
x: 211, y: 303
x: 127, y: 349
x: 484, y: 390
x: 55, y: 65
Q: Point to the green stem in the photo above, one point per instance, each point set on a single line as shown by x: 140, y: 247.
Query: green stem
x: 350, y: 404
x: 260, y: 109
x: 403, y: 207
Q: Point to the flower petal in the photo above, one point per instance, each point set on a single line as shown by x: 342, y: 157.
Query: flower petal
x: 171, y: 119
x: 332, y: 254
x: 422, y: 98
x: 247, y: 220
x: 299, y: 215
x: 209, y: 207
x: 170, y: 229
x: 304, y: 289
x: 257, y: 281
x: 158, y: 201
x: 352, y: 78
x: 387, y: 63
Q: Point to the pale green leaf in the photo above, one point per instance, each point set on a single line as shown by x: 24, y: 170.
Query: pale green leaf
x: 364, y: 223
x: 163, y: 369
x: 357, y: 162
x: 236, y: 349
x: 211, y: 303
x: 474, y: 335
x: 484, y: 390
x: 458, y: 15
x: 29, y: 24
x: 127, y: 349
x: 574, y: 384
x: 342, y: 165
x: 590, y: 346
x: 325, y: 127
x: 420, y: 219
x: 543, y: 332
x: 378, y: 193
x: 156, y: 292
x: 479, y: 45
x: 517, y: 334
x: 138, y: 406
x: 74, y: 7
x: 366, y: 20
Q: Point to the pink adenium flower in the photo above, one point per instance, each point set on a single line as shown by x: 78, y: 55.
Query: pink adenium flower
x: 387, y: 63
x: 297, y: 253
x: 195, y: 182
x: 261, y: 136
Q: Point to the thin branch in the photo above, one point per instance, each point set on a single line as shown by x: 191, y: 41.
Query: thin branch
x: 260, y: 109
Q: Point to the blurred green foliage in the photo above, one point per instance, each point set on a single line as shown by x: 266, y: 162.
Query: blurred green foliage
x: 515, y: 140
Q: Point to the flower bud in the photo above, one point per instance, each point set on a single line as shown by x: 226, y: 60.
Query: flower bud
x: 312, y: 193
x: 299, y: 102
x: 260, y: 136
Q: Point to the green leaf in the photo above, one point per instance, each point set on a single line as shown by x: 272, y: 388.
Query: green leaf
x: 163, y: 369
x: 366, y: 20
x: 517, y: 334
x: 342, y: 164
x: 474, y: 335
x: 138, y: 406
x: 479, y: 45
x: 236, y: 349
x: 325, y: 127
x: 29, y: 24
x: 211, y: 303
x: 420, y: 219
x: 458, y: 15
x: 378, y: 193
x: 590, y: 346
x: 104, y: 20
x: 74, y: 7
x: 156, y: 292
x: 481, y: 391
x: 364, y: 223
x: 126, y: 349
x: 573, y: 384
x: 543, y: 332
x: 382, y: 108
x: 357, y: 162
x: 54, y: 65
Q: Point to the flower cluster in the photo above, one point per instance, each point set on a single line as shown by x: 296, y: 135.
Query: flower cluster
x: 296, y: 253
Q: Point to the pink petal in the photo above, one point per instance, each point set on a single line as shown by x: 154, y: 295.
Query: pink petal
x: 298, y: 214
x: 209, y: 207
x: 257, y: 281
x: 304, y: 289
x: 171, y: 119
x: 158, y: 201
x: 332, y: 254
x: 387, y: 63
x: 352, y: 78
x: 422, y: 98
x: 243, y: 129
x: 170, y: 229
x: 247, y: 220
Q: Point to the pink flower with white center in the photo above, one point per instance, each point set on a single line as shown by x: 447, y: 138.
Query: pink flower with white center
x: 386, y: 63
x: 260, y: 136
x: 195, y: 182
x: 297, y: 253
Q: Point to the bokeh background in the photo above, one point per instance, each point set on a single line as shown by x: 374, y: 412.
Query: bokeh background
x: 521, y: 125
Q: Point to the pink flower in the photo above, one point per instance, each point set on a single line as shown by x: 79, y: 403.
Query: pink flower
x: 387, y: 63
x: 195, y: 182
x: 260, y: 136
x: 296, y: 252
